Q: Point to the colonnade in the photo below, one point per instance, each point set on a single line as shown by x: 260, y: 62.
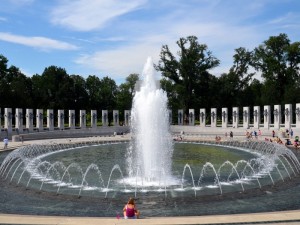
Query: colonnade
x: 54, y: 120
x: 49, y: 120
x: 261, y: 117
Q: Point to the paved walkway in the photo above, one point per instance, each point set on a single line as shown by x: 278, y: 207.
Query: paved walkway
x: 286, y: 217
x: 278, y: 218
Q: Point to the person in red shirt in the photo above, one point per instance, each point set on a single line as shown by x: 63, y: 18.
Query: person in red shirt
x: 130, y: 211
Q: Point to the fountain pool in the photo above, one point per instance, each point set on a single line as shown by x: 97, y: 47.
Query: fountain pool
x: 53, y: 177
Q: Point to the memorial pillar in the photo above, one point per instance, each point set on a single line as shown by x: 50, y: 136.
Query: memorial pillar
x: 235, y: 117
x: 82, y: 119
x: 213, y: 115
x: 50, y: 119
x: 288, y: 116
x: 256, y: 117
x: 267, y: 116
x: 191, y: 117
x: 8, y: 120
x: 297, y: 112
x: 246, y: 117
x: 170, y: 116
x: 40, y: 119
x: 127, y: 117
x: 277, y: 116
x: 94, y: 117
x: 116, y: 117
x: 29, y: 119
x: 224, y: 117
x: 104, y: 117
x: 72, y: 119
x: 180, y: 116
x: 61, y: 119
x: 19, y: 120
x: 202, y: 117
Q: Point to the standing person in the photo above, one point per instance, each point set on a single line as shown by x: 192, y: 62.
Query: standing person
x: 5, y: 140
x: 130, y: 211
x: 292, y: 133
x: 259, y: 133
x: 231, y: 134
x: 273, y: 133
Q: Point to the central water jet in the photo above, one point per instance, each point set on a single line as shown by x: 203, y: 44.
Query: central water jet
x: 149, y: 156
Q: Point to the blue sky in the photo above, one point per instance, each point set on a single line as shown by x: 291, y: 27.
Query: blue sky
x: 114, y: 37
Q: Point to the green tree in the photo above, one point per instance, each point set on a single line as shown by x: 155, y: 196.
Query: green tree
x: 125, y: 93
x: 235, y: 84
x: 278, y: 61
x: 189, y: 71
x: 108, y: 92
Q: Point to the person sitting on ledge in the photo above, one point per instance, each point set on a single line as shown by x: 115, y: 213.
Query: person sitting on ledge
x: 130, y: 212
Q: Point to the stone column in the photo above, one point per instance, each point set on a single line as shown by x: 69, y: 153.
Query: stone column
x: 104, y: 118
x: 72, y: 119
x: 191, y: 117
x: 8, y: 120
x: 213, y: 115
x: 50, y: 119
x: 180, y: 116
x: 288, y: 116
x: 40, y: 119
x: 277, y: 116
x: 202, y: 117
x: 224, y: 117
x: 267, y: 116
x: 61, y: 119
x: 116, y: 117
x: 29, y: 119
x: 170, y: 116
x: 94, y: 117
x: 297, y: 112
x: 82, y: 115
x: 235, y: 117
x: 256, y: 117
x: 127, y: 117
x: 246, y: 117
x: 19, y: 120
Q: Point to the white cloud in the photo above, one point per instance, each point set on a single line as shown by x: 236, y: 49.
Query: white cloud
x: 2, y: 19
x: 120, y: 62
x: 41, y: 43
x: 85, y: 15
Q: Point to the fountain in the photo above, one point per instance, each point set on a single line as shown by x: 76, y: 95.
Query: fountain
x: 167, y: 177
x: 152, y: 147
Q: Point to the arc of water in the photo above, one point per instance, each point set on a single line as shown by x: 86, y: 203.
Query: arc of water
x: 182, y: 179
x: 248, y: 165
x: 75, y: 165
x: 43, y: 163
x: 286, y: 170
x: 234, y: 169
x: 25, y: 169
x: 52, y: 167
x: 12, y: 167
x: 111, y: 172
x: 208, y: 164
x: 16, y: 170
x: 92, y: 166
x: 6, y: 166
x: 289, y: 164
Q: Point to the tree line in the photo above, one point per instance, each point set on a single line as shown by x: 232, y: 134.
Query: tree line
x: 186, y: 78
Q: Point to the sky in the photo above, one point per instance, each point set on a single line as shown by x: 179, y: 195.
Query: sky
x: 114, y: 38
